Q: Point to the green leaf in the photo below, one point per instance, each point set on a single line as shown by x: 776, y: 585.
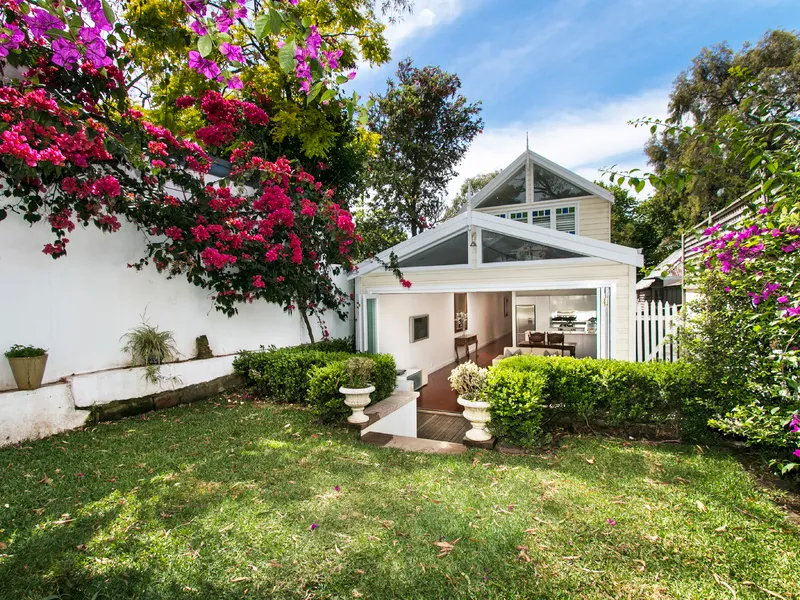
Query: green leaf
x: 341, y: 79
x: 261, y: 26
x: 286, y: 57
x: 327, y: 95
x: 275, y: 21
x: 205, y: 45
x: 109, y: 13
x: 306, y: 21
x: 315, y: 90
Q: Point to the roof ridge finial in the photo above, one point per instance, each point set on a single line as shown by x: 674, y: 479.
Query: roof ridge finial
x: 527, y: 145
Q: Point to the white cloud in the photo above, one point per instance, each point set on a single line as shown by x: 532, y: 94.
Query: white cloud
x: 583, y: 140
x: 427, y: 16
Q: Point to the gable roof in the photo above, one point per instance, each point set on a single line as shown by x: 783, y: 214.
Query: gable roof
x: 540, y: 160
x: 585, y: 246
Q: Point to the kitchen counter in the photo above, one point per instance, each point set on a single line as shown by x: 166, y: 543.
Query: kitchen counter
x: 585, y: 343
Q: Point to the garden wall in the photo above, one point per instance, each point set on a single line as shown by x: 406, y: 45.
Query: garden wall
x: 78, y: 307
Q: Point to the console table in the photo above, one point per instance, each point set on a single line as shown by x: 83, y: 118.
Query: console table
x: 466, y: 340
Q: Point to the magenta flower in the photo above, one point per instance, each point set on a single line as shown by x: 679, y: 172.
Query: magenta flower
x: 95, y: 10
x: 223, y: 21
x: 231, y: 52
x: 95, y: 47
x: 206, y: 67
x: 234, y: 83
x: 10, y: 41
x: 197, y: 7
x: 794, y: 424
x: 313, y: 526
x: 199, y: 28
x: 337, y: 488
x: 351, y: 75
x: 792, y: 311
x: 40, y: 21
x: 65, y: 53
x: 611, y: 522
x: 797, y: 453
x: 782, y: 299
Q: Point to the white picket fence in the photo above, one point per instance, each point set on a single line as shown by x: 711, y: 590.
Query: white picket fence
x: 656, y: 326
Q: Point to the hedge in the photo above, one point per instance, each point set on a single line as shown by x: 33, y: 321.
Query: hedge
x: 325, y: 381
x: 311, y: 373
x: 525, y: 389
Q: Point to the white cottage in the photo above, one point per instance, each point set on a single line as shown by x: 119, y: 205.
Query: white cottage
x: 530, y: 265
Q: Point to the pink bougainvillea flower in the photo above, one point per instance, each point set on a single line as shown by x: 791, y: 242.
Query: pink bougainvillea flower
x: 197, y: 7
x: 10, y: 40
x: 231, y: 52
x: 95, y: 47
x: 337, y: 488
x: 611, y: 522
x: 223, y: 21
x: 65, y: 53
x: 782, y: 299
x: 185, y: 101
x: 405, y: 283
x: 797, y: 453
x: 792, y: 311
x: 234, y: 83
x: 204, y: 66
x: 95, y: 10
x: 313, y: 526
x: 199, y: 28
x: 39, y: 21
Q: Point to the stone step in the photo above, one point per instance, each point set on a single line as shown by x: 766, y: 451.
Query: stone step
x: 411, y: 444
x: 381, y: 410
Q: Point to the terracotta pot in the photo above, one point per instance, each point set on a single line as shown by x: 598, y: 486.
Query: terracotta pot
x: 357, y: 399
x: 477, y: 413
x: 28, y: 372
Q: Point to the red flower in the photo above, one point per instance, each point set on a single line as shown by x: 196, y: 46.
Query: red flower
x: 405, y: 283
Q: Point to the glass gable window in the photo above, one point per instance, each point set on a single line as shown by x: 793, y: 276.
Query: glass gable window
x: 522, y: 217
x: 549, y: 186
x: 565, y: 219
x: 454, y: 251
x: 497, y: 247
x: 511, y: 192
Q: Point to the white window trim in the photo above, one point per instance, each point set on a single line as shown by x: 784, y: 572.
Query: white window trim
x: 542, y: 206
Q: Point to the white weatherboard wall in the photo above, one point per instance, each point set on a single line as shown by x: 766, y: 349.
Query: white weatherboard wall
x: 486, y: 319
x: 79, y: 306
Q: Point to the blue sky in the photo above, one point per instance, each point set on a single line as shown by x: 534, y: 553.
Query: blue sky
x: 570, y: 72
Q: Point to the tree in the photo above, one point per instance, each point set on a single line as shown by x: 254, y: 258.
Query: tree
x: 704, y: 95
x: 477, y: 183
x: 425, y: 127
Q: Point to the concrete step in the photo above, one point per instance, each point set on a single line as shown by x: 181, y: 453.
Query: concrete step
x: 411, y: 444
x: 381, y: 410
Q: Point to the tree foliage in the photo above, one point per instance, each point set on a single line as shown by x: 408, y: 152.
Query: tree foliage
x: 704, y: 95
x: 476, y: 183
x: 425, y: 127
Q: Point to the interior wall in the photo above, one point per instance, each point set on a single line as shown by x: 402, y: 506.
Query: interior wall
x: 486, y: 319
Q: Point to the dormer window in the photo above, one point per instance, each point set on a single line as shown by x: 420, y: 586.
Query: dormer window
x: 512, y: 191
x: 549, y: 186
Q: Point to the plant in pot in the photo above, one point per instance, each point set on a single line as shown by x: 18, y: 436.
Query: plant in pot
x: 150, y: 348
x: 27, y: 365
x: 468, y: 380
x: 358, y: 388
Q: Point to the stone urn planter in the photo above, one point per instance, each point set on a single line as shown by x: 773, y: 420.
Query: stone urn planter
x: 28, y: 372
x: 357, y: 399
x: 477, y: 413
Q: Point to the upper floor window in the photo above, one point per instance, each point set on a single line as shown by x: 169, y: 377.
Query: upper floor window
x: 512, y: 191
x: 565, y: 219
x: 549, y: 186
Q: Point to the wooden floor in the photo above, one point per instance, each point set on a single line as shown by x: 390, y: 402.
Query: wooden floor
x: 437, y: 395
x: 441, y: 426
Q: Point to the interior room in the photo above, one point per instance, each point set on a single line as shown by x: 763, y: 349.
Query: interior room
x: 560, y: 322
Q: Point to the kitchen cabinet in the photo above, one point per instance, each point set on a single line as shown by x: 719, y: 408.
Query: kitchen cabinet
x: 585, y: 344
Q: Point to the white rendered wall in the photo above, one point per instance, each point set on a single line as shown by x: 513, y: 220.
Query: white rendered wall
x: 34, y: 414
x: 486, y: 320
x: 403, y: 422
x: 78, y: 307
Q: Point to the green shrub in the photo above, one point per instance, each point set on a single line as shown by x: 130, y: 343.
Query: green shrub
x: 282, y: 374
x: 516, y: 398
x: 325, y: 381
x: 615, y: 392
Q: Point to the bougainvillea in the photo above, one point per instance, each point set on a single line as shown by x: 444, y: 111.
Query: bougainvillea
x: 745, y: 328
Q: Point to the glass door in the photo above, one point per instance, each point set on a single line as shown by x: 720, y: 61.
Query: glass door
x: 604, y: 322
x: 371, y: 325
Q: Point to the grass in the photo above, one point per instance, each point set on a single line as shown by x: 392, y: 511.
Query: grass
x: 219, y: 500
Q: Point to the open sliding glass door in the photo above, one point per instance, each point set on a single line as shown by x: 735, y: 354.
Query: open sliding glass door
x: 369, y: 323
x: 604, y: 325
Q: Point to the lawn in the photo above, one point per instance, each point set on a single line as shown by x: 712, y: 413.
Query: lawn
x: 226, y: 499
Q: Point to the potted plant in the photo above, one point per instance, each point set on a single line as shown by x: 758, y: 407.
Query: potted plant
x: 469, y: 382
x: 358, y: 389
x: 150, y: 348
x: 27, y: 364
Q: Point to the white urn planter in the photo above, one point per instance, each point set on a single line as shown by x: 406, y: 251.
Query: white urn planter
x: 477, y: 413
x: 357, y: 399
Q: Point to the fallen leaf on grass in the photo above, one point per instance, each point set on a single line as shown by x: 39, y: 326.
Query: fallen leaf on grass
x: 651, y: 538
x: 357, y: 594
x: 642, y: 565
x: 719, y: 580
x: 523, y: 554
x: 339, y: 552
x: 765, y: 590
x: 721, y: 529
x: 238, y: 579
x: 361, y: 571
x: 590, y: 460
x: 701, y: 507
x: 446, y: 547
x: 81, y: 547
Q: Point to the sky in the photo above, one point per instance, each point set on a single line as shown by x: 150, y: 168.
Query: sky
x: 570, y: 73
